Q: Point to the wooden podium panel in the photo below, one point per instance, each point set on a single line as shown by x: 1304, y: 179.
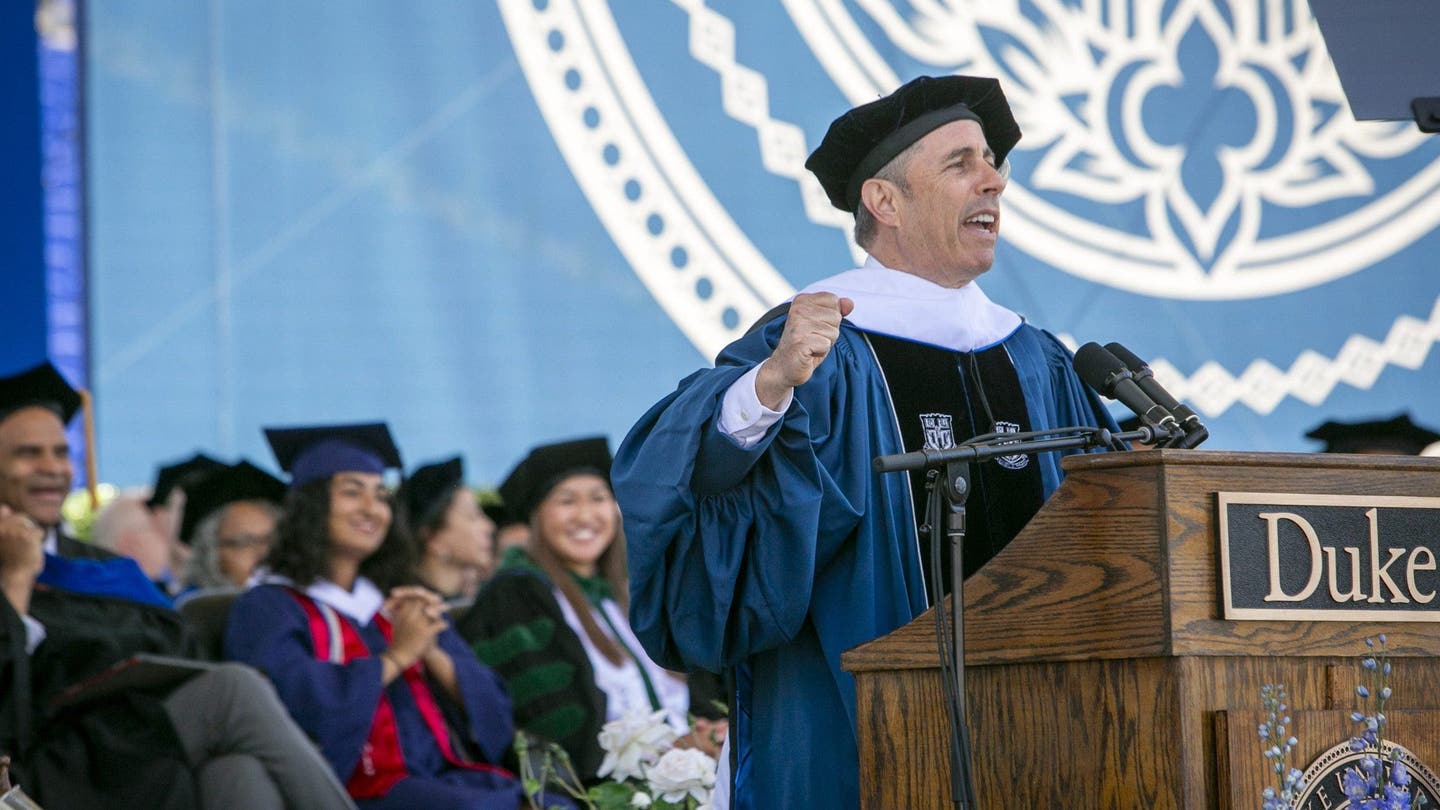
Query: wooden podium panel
x: 1098, y: 661
x: 1239, y: 746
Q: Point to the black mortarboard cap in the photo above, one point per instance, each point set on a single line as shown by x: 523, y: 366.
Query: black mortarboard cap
x: 314, y: 452
x: 546, y: 465
x: 42, y: 386
x: 221, y: 487
x: 860, y: 142
x: 181, y: 475
x: 429, y: 485
x: 1397, y: 435
x: 499, y: 514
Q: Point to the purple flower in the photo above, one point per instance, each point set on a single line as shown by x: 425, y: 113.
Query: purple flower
x: 1354, y: 785
x: 1396, y: 798
x: 1399, y: 774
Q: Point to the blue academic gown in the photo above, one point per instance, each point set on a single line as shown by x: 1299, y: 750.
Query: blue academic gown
x: 777, y: 558
x: 335, y: 704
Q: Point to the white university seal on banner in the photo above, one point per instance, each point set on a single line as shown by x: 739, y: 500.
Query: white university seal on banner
x: 1123, y: 177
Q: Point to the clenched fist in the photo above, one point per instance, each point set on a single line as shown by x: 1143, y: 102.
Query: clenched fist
x: 810, y: 330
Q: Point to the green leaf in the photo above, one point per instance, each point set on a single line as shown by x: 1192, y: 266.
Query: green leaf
x: 611, y: 796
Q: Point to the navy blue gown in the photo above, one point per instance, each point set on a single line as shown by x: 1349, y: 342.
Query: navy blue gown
x: 777, y: 558
x: 271, y: 629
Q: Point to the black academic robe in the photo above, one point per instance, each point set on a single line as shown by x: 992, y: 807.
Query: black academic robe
x: 113, y: 752
x: 518, y: 629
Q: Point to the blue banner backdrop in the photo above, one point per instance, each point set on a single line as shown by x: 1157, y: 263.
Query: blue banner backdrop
x: 496, y: 224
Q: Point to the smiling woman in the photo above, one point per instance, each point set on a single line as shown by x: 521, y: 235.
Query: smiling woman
x: 366, y: 662
x: 554, y: 619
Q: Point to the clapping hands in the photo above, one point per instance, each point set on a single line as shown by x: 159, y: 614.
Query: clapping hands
x: 417, y: 616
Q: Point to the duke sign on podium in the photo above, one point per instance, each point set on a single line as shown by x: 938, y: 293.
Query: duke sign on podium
x: 1329, y: 557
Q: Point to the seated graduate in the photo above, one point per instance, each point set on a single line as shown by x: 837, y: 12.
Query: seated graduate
x: 553, y: 619
x: 229, y: 523
x: 454, y: 539
x: 368, y: 665
x: 36, y: 474
x: 220, y: 738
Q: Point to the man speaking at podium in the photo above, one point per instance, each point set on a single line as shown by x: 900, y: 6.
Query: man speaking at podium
x: 759, y: 536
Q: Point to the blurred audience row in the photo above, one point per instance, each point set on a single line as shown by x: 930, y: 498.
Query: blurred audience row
x: 380, y: 650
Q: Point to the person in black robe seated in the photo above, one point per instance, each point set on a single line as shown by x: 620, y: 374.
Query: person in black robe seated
x: 213, y: 737
x: 229, y: 523
x: 553, y: 621
x: 36, y: 474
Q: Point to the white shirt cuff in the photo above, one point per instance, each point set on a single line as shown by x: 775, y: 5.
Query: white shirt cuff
x: 34, y: 633
x: 742, y: 417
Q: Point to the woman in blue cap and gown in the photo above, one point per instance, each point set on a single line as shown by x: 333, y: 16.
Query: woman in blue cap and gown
x: 366, y: 663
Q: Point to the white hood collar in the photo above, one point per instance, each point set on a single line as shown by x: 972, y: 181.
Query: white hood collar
x: 904, y: 305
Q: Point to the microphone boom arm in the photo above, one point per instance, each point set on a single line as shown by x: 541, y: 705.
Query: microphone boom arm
x: 987, y: 447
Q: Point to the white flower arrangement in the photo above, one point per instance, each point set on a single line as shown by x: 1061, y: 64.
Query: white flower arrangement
x: 683, y: 773
x: 642, y: 765
x: 633, y: 742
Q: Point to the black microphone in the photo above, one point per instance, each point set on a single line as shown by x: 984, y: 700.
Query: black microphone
x: 1195, y: 431
x: 1105, y: 373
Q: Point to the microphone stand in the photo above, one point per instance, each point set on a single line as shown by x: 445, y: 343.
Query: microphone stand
x: 954, y: 490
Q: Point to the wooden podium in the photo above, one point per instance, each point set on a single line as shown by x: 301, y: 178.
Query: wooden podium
x: 1100, y: 672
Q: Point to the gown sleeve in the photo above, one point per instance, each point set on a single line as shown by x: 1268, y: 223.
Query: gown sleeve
x: 334, y: 703
x: 488, y: 719
x: 516, y: 627
x: 724, y: 542
x: 15, y: 710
